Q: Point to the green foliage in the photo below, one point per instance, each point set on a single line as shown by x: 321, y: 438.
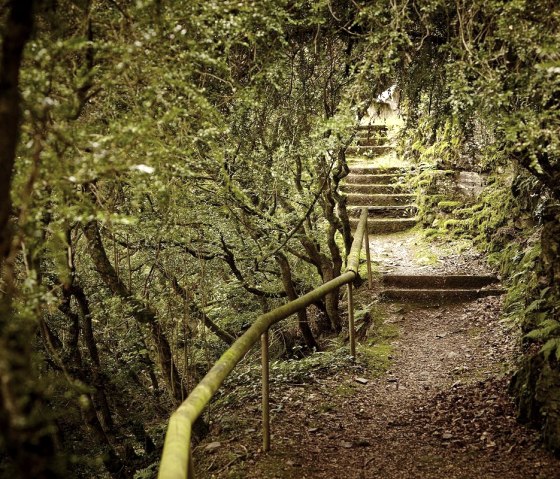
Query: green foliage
x: 545, y: 330
x: 202, y: 138
x: 550, y: 347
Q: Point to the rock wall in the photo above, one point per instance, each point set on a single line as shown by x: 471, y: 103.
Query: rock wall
x: 536, y: 386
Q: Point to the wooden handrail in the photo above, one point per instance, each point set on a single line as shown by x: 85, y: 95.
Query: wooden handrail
x: 176, y: 461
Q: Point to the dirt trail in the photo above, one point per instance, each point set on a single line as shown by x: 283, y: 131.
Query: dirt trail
x: 441, y: 410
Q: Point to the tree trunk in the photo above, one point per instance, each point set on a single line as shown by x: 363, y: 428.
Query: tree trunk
x: 292, y: 295
x: 334, y: 266
x: 339, y: 173
x: 143, y: 314
x: 76, y: 370
x: 16, y: 33
x: 28, y: 434
x: 100, y: 401
x: 327, y: 272
x: 226, y: 336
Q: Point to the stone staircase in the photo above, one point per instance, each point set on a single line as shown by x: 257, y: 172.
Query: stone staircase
x: 391, y: 208
x: 371, y: 140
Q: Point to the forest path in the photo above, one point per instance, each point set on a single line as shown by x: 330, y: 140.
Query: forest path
x: 439, y: 409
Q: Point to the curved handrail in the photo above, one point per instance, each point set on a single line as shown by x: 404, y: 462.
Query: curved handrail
x: 176, y: 462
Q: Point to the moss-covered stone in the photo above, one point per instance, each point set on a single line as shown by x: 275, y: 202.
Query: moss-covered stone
x: 448, y: 206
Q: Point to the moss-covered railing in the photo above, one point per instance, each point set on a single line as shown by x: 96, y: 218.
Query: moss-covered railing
x: 176, y: 461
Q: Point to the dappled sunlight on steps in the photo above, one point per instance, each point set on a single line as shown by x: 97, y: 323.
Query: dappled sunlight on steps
x: 391, y: 208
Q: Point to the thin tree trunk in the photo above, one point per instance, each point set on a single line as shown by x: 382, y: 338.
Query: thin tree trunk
x: 325, y: 267
x: 99, y: 396
x: 339, y: 173
x: 143, y: 314
x: 224, y: 335
x: 291, y: 292
x: 76, y: 370
x: 335, y: 264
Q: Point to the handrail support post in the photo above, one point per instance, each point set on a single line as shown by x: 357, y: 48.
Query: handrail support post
x: 265, y: 370
x: 190, y: 467
x: 368, y: 256
x: 351, y: 329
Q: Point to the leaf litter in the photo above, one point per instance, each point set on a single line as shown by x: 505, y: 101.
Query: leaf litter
x: 442, y: 409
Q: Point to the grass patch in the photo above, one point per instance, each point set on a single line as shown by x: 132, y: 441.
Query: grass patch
x: 345, y: 390
x: 374, y: 354
x: 375, y: 357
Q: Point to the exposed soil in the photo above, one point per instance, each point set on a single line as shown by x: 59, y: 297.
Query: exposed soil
x: 441, y: 409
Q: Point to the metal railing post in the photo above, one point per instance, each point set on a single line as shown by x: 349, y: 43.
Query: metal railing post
x: 368, y: 257
x: 190, y: 468
x: 265, y: 392
x: 351, y: 330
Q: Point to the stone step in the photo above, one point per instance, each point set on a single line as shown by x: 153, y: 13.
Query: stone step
x: 459, y: 281
x: 431, y: 295
x: 371, y: 189
x: 357, y: 199
x: 374, y: 150
x: 388, y: 211
x: 370, y: 141
x: 371, y: 134
x: 372, y: 128
x: 377, y: 179
x: 375, y: 170
x: 386, y: 225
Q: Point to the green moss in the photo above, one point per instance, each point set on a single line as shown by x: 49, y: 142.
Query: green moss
x: 388, y: 331
x: 327, y: 407
x: 444, y: 172
x: 448, y: 206
x: 425, y: 257
x: 345, y: 390
x: 448, y: 224
x: 376, y: 357
x: 375, y: 354
x: 434, y: 199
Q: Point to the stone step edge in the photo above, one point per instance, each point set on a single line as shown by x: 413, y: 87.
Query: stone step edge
x: 353, y: 179
x: 372, y: 127
x: 373, y: 196
x: 450, y: 281
x: 388, y: 185
x: 384, y: 226
x: 376, y: 189
x: 441, y: 294
x: 388, y: 220
x: 373, y: 208
x: 375, y: 170
x: 376, y: 175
